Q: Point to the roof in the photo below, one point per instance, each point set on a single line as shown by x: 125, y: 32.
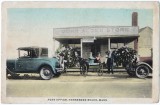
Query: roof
x: 30, y: 48
x: 145, y: 28
x: 96, y: 31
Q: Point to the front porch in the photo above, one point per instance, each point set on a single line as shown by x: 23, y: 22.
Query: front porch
x: 94, y: 45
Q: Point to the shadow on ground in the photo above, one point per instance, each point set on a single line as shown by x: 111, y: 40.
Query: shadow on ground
x: 27, y: 77
x: 117, y: 75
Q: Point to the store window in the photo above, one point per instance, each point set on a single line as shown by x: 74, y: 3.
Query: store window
x: 117, y: 45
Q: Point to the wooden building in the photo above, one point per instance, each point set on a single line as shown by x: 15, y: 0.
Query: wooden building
x: 93, y: 39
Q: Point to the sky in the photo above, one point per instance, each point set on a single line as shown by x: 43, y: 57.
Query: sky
x: 34, y: 26
x: 65, y: 17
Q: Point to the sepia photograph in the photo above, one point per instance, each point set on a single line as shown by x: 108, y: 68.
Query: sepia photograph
x: 80, y: 52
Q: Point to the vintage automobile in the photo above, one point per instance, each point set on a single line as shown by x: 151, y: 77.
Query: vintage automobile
x: 34, y: 60
x: 139, y: 69
x: 129, y: 59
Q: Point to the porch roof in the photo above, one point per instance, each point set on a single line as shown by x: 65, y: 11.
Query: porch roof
x: 96, y: 31
x: 100, y: 40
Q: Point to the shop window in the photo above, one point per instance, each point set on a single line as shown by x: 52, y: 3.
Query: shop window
x: 116, y: 45
x: 120, y: 45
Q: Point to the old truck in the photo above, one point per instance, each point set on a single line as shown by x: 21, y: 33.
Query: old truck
x: 34, y: 60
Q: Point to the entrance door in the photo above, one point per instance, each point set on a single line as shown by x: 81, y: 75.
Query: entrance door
x: 95, y: 48
x: 90, y: 47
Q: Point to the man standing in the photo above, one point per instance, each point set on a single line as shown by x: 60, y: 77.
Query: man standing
x: 110, y: 62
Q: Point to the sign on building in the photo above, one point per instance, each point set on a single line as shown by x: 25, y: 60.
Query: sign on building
x: 97, y: 31
x: 88, y: 40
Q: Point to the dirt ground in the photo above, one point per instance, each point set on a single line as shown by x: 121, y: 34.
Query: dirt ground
x: 72, y: 84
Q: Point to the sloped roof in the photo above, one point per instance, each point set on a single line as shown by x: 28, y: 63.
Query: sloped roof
x: 142, y: 29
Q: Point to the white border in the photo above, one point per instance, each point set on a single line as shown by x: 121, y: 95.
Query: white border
x: 94, y: 4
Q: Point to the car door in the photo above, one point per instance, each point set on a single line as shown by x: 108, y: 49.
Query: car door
x: 26, y: 65
x: 32, y: 64
x: 21, y: 65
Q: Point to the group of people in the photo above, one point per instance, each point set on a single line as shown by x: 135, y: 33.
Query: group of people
x: 109, y: 56
x: 110, y: 60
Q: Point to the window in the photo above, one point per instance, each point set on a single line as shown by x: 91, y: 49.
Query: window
x: 23, y: 54
x: 31, y: 53
x: 44, y: 52
x: 116, y: 45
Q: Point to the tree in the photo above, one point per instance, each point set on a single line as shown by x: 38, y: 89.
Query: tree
x: 124, y: 55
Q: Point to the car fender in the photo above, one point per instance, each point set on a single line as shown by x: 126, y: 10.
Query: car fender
x: 146, y: 64
x: 45, y: 64
x: 11, y: 65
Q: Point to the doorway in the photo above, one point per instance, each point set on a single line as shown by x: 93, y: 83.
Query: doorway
x: 95, y: 48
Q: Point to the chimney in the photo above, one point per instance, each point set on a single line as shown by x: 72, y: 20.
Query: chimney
x: 134, y: 19
x: 135, y: 23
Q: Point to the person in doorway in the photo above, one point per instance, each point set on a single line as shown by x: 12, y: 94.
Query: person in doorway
x: 91, y: 56
x: 110, y: 62
x: 98, y: 58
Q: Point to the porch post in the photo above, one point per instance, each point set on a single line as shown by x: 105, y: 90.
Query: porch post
x: 54, y: 46
x: 136, y: 44
x: 81, y: 48
x: 109, y: 44
x: 18, y: 53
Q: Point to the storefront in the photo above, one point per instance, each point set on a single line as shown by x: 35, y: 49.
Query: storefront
x: 94, y: 39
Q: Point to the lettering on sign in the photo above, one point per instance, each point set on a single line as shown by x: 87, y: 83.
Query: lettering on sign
x: 96, y: 31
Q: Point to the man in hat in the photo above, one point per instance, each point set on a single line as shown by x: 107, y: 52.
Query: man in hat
x: 110, y: 62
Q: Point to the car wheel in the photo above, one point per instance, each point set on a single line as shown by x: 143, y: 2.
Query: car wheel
x: 142, y: 71
x: 100, y: 70
x: 84, y: 70
x: 46, y: 73
x: 130, y: 70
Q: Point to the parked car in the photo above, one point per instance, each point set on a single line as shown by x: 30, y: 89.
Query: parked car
x: 34, y: 60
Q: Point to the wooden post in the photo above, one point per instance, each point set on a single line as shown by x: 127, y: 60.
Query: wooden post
x: 54, y: 47
x: 109, y: 44
x: 81, y: 48
x: 18, y: 53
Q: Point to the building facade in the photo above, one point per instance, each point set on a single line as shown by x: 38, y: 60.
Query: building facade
x: 145, y: 44
x: 93, y: 39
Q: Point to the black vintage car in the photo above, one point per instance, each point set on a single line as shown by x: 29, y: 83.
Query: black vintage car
x: 128, y: 58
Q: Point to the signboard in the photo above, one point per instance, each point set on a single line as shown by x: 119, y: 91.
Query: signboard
x: 88, y: 40
x: 105, y: 31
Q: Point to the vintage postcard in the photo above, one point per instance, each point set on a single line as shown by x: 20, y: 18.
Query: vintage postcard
x: 80, y: 52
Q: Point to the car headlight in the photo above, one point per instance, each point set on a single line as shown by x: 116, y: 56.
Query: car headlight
x: 57, y: 65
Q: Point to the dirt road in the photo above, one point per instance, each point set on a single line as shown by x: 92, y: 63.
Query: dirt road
x: 73, y: 84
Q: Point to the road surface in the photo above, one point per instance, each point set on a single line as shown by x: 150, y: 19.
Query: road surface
x: 72, y: 84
